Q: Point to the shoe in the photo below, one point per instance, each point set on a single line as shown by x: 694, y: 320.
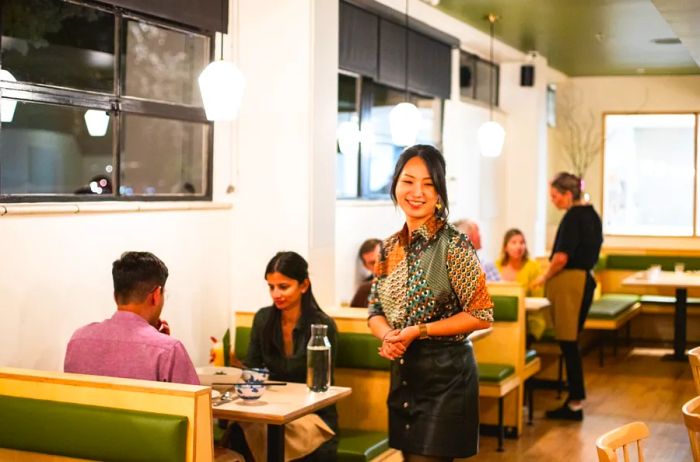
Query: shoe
x: 565, y: 413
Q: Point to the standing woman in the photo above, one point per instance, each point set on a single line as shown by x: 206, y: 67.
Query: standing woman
x: 570, y: 283
x: 428, y: 294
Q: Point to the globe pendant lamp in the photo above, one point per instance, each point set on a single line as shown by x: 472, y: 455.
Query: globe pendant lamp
x: 96, y: 122
x: 7, y: 106
x: 404, y: 118
x: 491, y: 134
x: 221, y: 84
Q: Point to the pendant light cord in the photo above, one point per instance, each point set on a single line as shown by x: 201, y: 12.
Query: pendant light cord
x: 406, y: 54
x: 492, y: 22
x: 221, y: 51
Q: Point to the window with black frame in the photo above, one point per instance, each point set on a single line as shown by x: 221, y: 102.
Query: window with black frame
x: 474, y: 75
x: 99, y: 103
x: 384, y: 62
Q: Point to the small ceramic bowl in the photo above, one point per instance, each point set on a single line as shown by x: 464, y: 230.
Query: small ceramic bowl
x: 250, y: 390
x: 255, y: 375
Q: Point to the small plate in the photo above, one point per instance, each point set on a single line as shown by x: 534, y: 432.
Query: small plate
x: 209, y: 375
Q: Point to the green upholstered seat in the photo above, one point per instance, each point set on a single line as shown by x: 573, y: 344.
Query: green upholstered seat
x: 664, y: 300
x: 530, y: 355
x: 549, y: 335
x: 494, y: 372
x: 359, y: 351
x: 90, y: 432
x: 361, y: 445
x: 505, y: 308
x: 611, y: 306
x: 242, y: 341
x: 642, y: 262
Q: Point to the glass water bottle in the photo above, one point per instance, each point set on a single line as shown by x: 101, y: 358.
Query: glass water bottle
x: 318, y: 359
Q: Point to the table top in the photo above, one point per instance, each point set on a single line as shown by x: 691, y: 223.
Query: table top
x: 663, y: 279
x: 280, y: 404
x: 536, y: 303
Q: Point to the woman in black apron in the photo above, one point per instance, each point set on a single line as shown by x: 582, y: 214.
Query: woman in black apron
x: 428, y: 294
x: 570, y: 283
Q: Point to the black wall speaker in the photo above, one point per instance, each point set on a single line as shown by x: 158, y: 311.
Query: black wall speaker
x: 527, y: 75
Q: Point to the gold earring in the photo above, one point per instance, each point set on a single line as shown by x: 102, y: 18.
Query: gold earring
x: 438, y: 206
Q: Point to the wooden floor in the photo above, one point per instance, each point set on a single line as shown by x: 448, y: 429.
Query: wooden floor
x: 637, y: 385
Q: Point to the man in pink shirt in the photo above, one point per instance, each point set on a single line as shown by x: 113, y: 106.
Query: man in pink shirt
x: 129, y: 344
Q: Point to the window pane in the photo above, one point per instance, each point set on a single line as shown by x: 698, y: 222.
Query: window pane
x: 57, y: 43
x: 164, y: 65
x: 467, y: 65
x: 48, y: 149
x: 348, y: 138
x: 163, y: 157
x: 649, y: 161
x: 379, y: 153
x: 485, y: 80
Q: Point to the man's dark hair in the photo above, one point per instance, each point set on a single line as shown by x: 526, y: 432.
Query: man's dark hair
x: 136, y: 274
x: 368, y: 246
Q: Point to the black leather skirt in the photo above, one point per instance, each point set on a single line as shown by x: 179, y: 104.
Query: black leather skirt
x: 434, y: 400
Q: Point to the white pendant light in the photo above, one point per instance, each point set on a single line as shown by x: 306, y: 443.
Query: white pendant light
x: 404, y: 118
x: 96, y: 122
x: 348, y: 134
x: 221, y: 84
x: 491, y: 135
x: 7, y: 106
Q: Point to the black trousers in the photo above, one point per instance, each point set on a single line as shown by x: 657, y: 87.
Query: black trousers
x: 570, y: 349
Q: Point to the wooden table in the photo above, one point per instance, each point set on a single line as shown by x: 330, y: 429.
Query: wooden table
x: 681, y: 282
x: 278, y: 406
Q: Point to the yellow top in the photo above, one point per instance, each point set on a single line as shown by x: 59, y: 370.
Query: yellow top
x: 525, y: 276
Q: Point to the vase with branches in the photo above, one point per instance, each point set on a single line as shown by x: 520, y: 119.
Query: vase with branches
x: 578, y: 133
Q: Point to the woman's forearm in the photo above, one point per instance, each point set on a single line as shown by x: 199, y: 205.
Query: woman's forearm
x: 460, y: 323
x: 557, y: 264
x: 379, y: 326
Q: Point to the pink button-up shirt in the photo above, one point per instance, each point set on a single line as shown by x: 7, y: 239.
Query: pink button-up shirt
x: 127, y: 346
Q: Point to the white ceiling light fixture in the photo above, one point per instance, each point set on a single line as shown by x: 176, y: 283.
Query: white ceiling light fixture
x: 7, y: 106
x: 491, y: 135
x: 97, y: 122
x: 404, y: 118
x: 221, y: 84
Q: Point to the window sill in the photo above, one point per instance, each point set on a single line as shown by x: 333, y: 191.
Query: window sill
x: 107, y: 207
x: 364, y: 203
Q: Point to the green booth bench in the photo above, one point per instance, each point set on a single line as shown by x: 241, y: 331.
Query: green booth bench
x: 45, y: 415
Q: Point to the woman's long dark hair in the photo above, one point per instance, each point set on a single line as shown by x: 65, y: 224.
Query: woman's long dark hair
x: 293, y: 266
x: 435, y: 163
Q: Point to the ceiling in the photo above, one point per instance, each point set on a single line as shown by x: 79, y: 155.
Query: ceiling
x: 594, y: 37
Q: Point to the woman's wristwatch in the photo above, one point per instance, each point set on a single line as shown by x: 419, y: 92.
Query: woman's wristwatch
x: 422, y: 331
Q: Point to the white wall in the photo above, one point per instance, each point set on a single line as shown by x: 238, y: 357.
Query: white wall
x: 55, y: 276
x: 285, y: 188
x: 598, y: 95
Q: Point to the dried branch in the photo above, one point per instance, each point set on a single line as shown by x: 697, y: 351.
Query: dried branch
x: 577, y: 132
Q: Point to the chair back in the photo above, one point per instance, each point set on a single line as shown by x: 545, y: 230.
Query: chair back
x: 623, y: 437
x: 691, y: 417
x: 694, y: 359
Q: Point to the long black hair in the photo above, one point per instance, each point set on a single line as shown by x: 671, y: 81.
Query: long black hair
x: 435, y: 163
x: 293, y: 266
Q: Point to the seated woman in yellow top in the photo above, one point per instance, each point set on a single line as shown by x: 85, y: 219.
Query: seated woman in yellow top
x: 515, y: 264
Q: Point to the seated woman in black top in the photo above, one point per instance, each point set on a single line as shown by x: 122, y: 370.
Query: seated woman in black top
x: 281, y: 331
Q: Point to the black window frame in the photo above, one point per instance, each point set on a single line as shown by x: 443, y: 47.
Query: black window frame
x: 365, y: 101
x: 117, y: 105
x: 475, y: 76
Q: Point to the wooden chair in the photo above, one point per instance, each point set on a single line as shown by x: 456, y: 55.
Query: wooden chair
x: 622, y: 437
x: 692, y: 423
x: 694, y: 358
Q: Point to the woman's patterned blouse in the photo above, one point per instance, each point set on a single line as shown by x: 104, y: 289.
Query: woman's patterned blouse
x: 435, y: 276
